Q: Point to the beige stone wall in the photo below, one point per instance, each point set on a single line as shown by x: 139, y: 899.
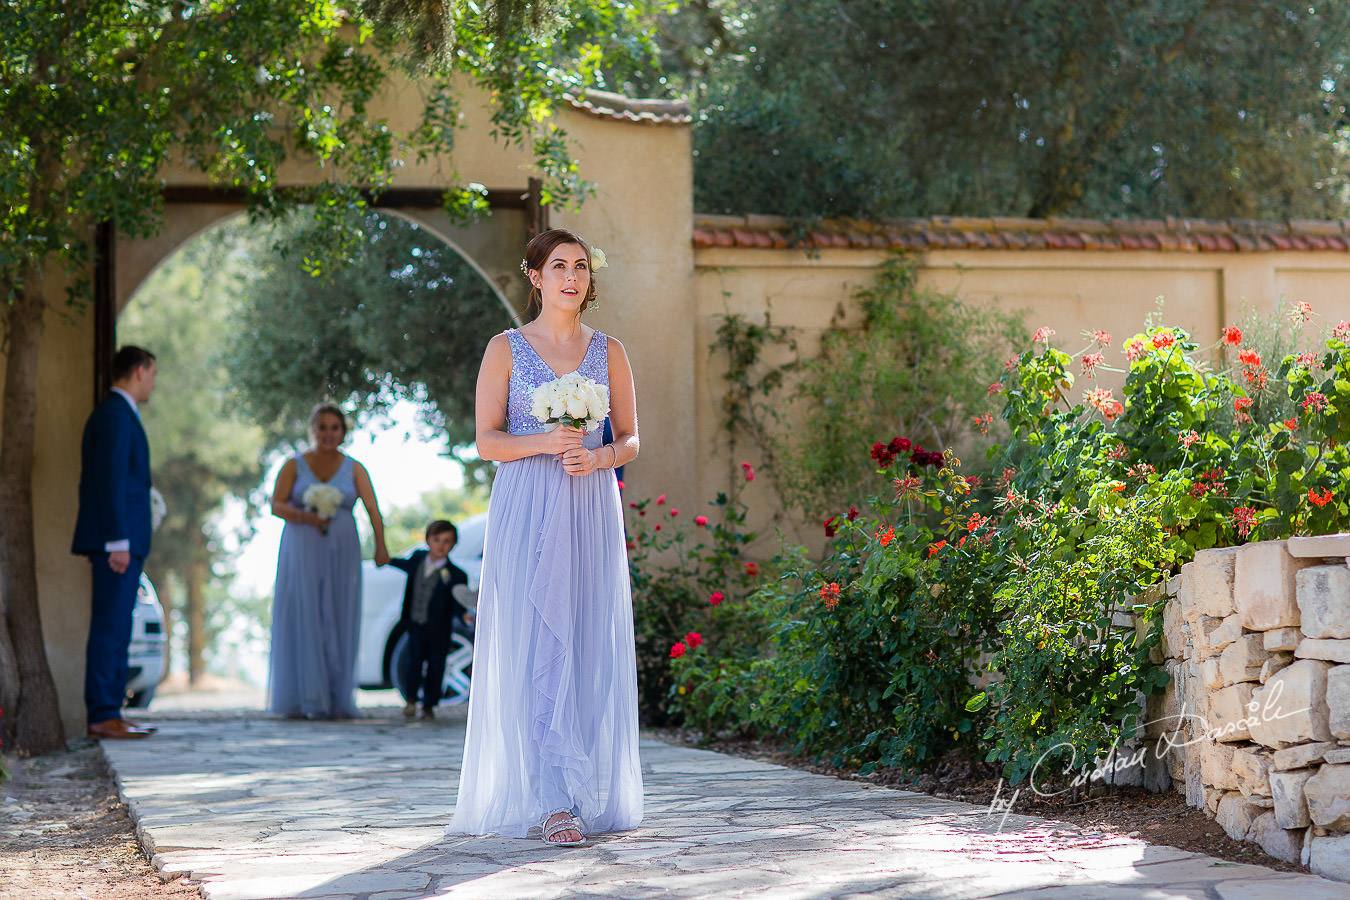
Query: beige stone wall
x: 1071, y: 291
x: 1256, y: 719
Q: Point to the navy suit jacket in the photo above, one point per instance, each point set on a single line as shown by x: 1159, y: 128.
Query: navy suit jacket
x: 444, y: 607
x: 114, y: 480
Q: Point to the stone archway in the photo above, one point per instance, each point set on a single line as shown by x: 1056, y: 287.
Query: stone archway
x: 489, y: 244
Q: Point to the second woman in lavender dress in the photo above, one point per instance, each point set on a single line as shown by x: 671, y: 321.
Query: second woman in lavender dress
x: 552, y: 734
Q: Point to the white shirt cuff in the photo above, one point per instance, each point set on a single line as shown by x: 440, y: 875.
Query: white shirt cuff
x: 115, y: 546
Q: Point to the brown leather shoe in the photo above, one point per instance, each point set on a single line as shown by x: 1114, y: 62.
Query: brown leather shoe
x: 117, y: 729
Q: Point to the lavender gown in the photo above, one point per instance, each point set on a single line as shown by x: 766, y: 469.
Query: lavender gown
x: 316, y: 608
x: 553, y: 708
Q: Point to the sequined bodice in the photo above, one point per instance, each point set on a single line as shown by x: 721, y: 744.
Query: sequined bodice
x: 528, y: 371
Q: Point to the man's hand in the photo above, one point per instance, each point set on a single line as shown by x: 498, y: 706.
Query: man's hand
x: 118, y: 560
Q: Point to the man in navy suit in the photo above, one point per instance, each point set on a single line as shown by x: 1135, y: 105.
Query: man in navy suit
x: 113, y: 530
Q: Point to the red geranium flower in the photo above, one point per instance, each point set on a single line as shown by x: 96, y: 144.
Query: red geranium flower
x: 677, y: 649
x: 1163, y: 339
x: 830, y: 594
x: 885, y: 537
x: 1249, y: 358
x: 1320, y: 499
x: 1232, y: 335
x: 1043, y: 335
x: 1245, y: 519
x: 934, y: 548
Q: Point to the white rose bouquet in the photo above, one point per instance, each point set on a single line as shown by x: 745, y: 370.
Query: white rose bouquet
x: 324, y: 499
x: 158, y: 509
x: 573, y: 400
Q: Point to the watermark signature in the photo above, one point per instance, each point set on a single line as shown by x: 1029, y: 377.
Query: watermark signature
x: 1115, y: 761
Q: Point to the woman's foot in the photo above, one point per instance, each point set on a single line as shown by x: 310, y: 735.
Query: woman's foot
x: 564, y: 829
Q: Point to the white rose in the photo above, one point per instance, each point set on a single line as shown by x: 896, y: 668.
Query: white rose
x: 598, y: 260
x: 576, y: 407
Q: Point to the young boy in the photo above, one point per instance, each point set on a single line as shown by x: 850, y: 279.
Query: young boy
x: 429, y: 612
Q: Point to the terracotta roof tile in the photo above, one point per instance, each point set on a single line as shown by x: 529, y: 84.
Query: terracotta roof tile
x: 955, y: 232
x: 608, y: 105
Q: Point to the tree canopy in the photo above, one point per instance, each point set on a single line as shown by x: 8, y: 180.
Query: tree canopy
x: 1140, y: 108
x: 407, y: 318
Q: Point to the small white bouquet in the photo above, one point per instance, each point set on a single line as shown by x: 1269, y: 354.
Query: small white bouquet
x: 158, y: 509
x: 573, y: 400
x: 324, y: 499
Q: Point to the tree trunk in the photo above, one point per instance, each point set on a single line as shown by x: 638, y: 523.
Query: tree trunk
x: 32, y: 719
x: 197, y: 572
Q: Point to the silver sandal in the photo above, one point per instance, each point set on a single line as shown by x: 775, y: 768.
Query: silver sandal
x: 568, y: 822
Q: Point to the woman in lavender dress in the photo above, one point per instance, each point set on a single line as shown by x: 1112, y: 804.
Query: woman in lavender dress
x: 552, y: 735
x: 316, y: 608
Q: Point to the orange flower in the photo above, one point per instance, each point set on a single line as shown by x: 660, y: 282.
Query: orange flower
x: 1232, y: 335
x: 1249, y: 358
x: 830, y: 594
x: 886, y: 537
x: 934, y: 548
x: 1163, y: 339
x: 1320, y: 499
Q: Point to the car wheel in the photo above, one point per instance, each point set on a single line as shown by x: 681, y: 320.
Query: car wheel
x: 141, y: 699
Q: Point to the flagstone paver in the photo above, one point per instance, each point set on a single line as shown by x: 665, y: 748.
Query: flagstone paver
x: 258, y: 808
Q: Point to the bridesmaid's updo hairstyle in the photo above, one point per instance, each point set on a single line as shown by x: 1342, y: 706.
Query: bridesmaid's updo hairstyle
x: 321, y: 409
x: 537, y: 252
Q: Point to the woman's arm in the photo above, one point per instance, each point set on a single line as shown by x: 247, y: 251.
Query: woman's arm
x: 622, y: 420
x: 493, y: 440
x: 366, y: 492
x: 281, y: 499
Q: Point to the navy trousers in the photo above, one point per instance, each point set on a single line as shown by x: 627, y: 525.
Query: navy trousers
x: 105, y: 655
x: 426, y: 665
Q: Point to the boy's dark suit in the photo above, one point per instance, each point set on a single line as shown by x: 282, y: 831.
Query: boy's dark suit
x: 429, y: 639
x: 114, y: 506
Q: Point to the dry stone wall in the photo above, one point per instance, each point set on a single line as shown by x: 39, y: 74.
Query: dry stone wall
x: 1255, y: 724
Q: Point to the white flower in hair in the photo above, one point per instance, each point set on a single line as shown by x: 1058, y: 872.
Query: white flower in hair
x: 598, y: 260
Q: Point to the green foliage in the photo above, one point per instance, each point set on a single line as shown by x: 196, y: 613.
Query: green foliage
x: 687, y: 573
x: 918, y: 362
x: 1046, y: 586
x: 1007, y: 107
x: 407, y: 318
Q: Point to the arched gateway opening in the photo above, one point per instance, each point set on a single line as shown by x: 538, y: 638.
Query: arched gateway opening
x: 248, y: 341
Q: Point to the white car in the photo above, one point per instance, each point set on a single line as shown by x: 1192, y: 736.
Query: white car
x: 382, y: 604
x: 145, y: 655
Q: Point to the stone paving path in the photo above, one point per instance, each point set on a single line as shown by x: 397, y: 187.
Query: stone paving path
x: 255, y: 807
